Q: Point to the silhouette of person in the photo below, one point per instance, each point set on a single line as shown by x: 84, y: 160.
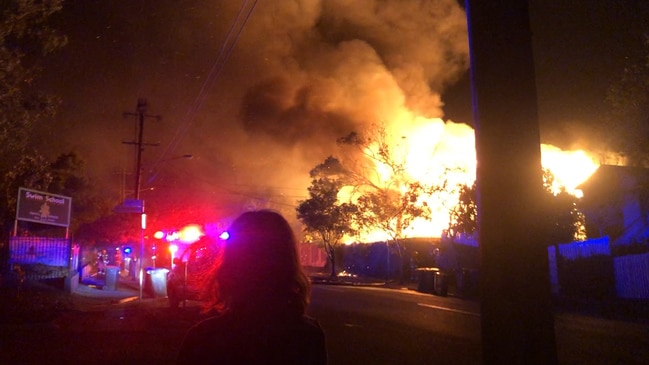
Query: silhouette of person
x: 260, y: 294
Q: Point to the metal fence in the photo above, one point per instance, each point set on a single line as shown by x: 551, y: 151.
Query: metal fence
x: 631, y: 273
x: 632, y: 276
x: 42, y: 257
x: 576, y: 250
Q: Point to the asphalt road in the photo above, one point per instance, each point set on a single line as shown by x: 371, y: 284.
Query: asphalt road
x: 364, y: 325
x: 379, y: 326
x: 387, y: 326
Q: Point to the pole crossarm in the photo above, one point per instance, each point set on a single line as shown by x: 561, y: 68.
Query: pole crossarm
x: 139, y: 144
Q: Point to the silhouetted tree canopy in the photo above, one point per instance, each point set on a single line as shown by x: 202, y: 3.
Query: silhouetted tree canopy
x: 325, y: 217
x: 25, y: 38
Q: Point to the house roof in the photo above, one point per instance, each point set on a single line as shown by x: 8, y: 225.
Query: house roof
x: 609, y: 182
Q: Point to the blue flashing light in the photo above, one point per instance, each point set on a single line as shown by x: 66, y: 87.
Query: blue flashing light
x: 127, y: 250
x: 225, y: 235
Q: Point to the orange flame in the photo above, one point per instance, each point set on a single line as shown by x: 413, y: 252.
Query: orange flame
x: 434, y: 152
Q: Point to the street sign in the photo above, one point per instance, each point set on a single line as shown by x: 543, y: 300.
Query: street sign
x: 130, y: 206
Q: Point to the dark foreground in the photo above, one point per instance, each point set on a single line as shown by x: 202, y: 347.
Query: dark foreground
x: 44, y: 324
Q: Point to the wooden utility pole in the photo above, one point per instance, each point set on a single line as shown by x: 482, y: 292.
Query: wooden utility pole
x: 139, y: 205
x: 139, y: 144
x: 516, y: 310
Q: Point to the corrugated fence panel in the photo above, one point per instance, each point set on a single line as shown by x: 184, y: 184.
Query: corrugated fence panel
x: 632, y: 276
x: 311, y: 255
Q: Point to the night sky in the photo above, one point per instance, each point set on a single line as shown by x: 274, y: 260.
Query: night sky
x: 258, y: 115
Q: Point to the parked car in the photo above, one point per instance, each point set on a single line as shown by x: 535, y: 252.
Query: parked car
x: 185, y: 279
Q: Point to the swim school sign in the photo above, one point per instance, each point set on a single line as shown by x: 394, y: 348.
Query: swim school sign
x: 41, y: 207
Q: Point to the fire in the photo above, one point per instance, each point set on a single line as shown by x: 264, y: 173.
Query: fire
x: 438, y: 153
x: 570, y: 168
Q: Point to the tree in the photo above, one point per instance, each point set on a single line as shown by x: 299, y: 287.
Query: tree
x: 110, y: 228
x: 69, y: 179
x: 387, y: 197
x: 325, y: 217
x: 64, y: 176
x: 375, y: 154
x: 463, y: 219
x: 564, y: 221
x: 25, y: 37
x: 393, y: 212
x: 30, y: 171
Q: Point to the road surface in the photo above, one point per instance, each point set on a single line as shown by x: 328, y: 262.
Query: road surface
x: 386, y: 326
x: 364, y: 325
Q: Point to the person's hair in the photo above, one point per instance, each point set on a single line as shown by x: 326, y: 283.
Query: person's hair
x: 258, y: 267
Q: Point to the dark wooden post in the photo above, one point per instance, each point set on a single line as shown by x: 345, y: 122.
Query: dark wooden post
x: 517, y: 319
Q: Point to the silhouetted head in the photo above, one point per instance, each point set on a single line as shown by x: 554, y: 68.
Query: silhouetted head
x: 258, y: 268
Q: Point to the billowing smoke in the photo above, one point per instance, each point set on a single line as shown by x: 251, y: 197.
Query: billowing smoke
x: 323, y: 69
x: 301, y: 74
x: 359, y: 62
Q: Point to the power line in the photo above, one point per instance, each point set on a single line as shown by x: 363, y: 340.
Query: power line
x: 225, y: 51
